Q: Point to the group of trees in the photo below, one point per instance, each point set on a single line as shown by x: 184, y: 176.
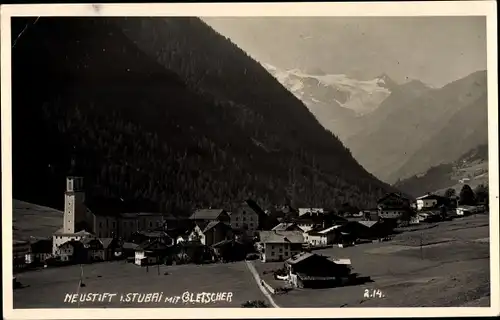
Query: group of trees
x: 470, y: 197
x: 215, y: 131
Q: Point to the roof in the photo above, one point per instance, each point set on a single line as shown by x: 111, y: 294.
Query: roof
x: 304, y: 277
x: 342, y: 261
x: 89, y: 240
x: 283, y: 226
x: 392, y: 194
x: 368, y: 224
x: 281, y: 237
x: 154, y: 234
x: 300, y: 257
x: 130, y: 245
x: 255, y: 207
x: 431, y: 197
x: 224, y: 242
x: 328, y: 230
x: 206, y: 214
x: 213, y: 224
x: 73, y: 243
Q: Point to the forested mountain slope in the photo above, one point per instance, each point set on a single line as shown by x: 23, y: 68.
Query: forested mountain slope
x: 180, y: 120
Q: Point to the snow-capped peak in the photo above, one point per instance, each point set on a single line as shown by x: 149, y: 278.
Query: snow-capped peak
x: 360, y: 96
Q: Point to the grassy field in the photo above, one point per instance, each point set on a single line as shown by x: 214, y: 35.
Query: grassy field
x: 32, y: 220
x: 451, y: 270
x: 47, y: 288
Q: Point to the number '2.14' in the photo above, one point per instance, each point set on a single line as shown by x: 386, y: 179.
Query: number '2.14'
x: 373, y: 293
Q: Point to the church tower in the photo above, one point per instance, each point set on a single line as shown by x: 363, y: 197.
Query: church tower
x: 74, y: 204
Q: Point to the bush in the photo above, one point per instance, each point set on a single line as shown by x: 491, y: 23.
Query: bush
x: 255, y: 304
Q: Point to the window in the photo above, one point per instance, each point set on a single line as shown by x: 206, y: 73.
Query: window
x: 114, y: 224
x: 236, y: 219
x: 281, y: 250
x: 100, y: 225
x: 272, y: 247
x: 244, y: 219
x: 272, y: 253
x: 150, y: 224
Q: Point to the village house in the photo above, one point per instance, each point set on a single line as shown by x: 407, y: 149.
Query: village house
x: 466, y: 210
x: 94, y: 248
x: 72, y: 251
x: 247, y: 217
x: 21, y: 248
x: 210, y: 233
x: 308, y: 270
x: 280, y: 245
x: 429, y: 201
x: 151, y: 253
x: 322, y: 237
x: 394, y: 206
x: 59, y: 238
x: 40, y: 250
x: 230, y: 250
x: 101, y: 249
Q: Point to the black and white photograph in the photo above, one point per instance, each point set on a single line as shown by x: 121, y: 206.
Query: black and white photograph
x: 164, y: 156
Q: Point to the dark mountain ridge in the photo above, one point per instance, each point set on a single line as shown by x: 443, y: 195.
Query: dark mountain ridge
x: 471, y: 168
x: 200, y: 125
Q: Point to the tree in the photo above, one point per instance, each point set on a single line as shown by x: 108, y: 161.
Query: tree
x: 450, y: 192
x: 482, y: 194
x: 467, y: 196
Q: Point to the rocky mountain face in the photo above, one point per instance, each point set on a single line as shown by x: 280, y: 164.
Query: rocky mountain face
x: 396, y: 130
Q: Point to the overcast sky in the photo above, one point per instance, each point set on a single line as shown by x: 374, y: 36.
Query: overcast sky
x: 435, y: 50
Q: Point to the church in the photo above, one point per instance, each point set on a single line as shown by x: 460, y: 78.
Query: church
x: 81, y: 224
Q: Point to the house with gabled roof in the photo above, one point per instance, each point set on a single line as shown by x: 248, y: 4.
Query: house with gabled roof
x: 430, y: 201
x: 311, y: 270
x: 322, y: 236
x: 150, y: 252
x: 280, y: 245
x: 210, y: 233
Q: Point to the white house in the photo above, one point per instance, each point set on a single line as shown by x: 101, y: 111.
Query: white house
x: 280, y: 245
x: 428, y: 201
x: 465, y: 210
x: 322, y: 237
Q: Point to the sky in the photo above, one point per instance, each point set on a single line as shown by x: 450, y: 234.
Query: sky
x: 435, y: 50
